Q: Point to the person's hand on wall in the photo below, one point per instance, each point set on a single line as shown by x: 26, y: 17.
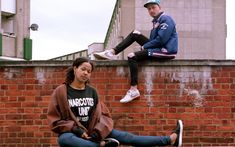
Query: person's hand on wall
x: 142, y: 48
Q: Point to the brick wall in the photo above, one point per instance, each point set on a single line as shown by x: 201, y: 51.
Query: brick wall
x: 201, y: 93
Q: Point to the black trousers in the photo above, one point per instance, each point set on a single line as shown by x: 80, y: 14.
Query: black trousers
x: 139, y: 56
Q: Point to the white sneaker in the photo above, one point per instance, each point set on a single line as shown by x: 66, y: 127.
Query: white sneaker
x: 130, y: 95
x: 108, y: 54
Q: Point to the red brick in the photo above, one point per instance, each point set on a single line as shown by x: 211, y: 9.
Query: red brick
x: 13, y: 129
x: 21, y: 87
x: 13, y: 92
x: 225, y: 116
x: 225, y: 140
x: 207, y: 140
x: 179, y: 104
x: 208, y: 128
x: 228, y: 69
x: 13, y: 104
x: 29, y: 104
x: 207, y: 116
x: 12, y: 140
x: 224, y: 80
x: 233, y: 110
x: 12, y: 87
x: 30, y: 140
x: 4, y: 87
x: 226, y: 128
x: 21, y: 98
x: 31, y: 116
x: 29, y: 122
x: 232, y: 74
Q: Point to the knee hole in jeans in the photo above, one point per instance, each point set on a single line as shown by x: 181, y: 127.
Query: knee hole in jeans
x: 131, y: 55
x: 136, y: 32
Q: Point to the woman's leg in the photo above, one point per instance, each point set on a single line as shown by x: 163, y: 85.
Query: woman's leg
x: 71, y: 140
x: 126, y: 138
x: 134, y: 36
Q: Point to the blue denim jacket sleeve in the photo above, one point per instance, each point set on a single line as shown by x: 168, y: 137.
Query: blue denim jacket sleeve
x: 165, y: 30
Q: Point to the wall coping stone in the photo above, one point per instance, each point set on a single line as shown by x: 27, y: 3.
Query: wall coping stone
x: 49, y: 63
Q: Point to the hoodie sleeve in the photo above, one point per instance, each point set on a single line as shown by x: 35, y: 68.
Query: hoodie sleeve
x: 105, y: 124
x: 56, y: 122
x: 166, y: 29
x: 102, y: 124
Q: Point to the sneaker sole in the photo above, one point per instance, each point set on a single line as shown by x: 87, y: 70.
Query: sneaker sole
x: 101, y: 57
x: 181, y: 133
x: 115, y: 140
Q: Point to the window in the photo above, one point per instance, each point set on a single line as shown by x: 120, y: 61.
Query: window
x: 8, y: 7
x: 8, y: 11
x: 8, y: 26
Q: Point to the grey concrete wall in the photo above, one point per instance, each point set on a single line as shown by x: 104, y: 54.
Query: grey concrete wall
x: 201, y: 25
x: 127, y: 22
x: 0, y: 19
x: 13, y: 46
x: 177, y: 62
x: 124, y: 24
x: 22, y: 23
x: 94, y: 47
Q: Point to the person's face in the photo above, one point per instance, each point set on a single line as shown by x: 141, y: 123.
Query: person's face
x: 83, y: 72
x: 153, y: 9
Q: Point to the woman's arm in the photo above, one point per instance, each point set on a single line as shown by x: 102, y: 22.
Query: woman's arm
x: 101, y: 123
x: 105, y: 124
x: 54, y: 116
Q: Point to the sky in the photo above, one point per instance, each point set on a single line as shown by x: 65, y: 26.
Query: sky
x: 70, y: 27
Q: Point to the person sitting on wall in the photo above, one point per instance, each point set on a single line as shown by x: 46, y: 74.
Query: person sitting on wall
x: 81, y: 119
x: 163, y: 44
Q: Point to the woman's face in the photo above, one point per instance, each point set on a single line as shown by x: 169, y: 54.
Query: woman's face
x: 83, y: 72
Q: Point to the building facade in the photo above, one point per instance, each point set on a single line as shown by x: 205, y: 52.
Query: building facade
x: 72, y: 56
x: 201, y: 25
x: 15, y: 42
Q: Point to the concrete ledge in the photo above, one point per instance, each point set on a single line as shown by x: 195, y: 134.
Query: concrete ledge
x: 119, y: 63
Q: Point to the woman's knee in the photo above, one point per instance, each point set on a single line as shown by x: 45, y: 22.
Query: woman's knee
x: 64, y: 139
x: 71, y: 140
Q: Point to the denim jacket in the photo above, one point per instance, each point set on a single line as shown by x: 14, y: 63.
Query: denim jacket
x: 163, y: 36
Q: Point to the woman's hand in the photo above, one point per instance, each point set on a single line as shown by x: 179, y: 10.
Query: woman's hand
x: 80, y: 133
x: 85, y: 136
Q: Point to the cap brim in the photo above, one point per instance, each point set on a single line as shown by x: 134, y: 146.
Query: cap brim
x: 146, y: 5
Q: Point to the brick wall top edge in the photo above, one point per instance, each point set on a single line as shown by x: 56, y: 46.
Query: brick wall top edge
x: 119, y: 63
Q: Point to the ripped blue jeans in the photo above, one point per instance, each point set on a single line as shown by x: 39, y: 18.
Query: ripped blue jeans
x: 125, y: 138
